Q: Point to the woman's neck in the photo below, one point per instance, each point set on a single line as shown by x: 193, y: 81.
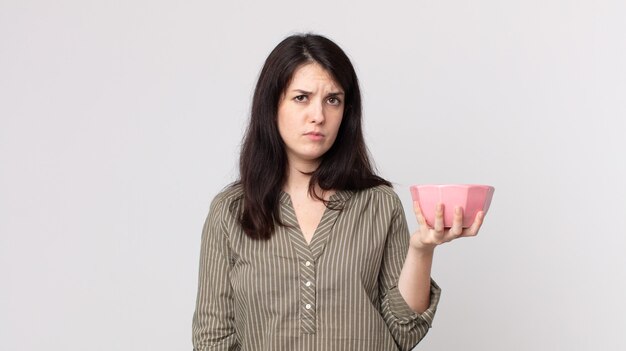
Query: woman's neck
x: 297, y: 182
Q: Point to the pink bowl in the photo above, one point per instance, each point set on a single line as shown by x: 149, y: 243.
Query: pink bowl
x: 471, y: 197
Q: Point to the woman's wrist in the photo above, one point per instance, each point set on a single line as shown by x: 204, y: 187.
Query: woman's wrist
x: 423, y: 249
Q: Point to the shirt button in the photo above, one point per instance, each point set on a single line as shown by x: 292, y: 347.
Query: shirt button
x: 307, y: 263
x: 308, y: 306
x: 308, y: 284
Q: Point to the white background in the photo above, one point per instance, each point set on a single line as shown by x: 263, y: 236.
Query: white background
x: 120, y: 120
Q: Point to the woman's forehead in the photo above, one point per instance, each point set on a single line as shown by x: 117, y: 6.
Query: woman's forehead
x: 311, y: 75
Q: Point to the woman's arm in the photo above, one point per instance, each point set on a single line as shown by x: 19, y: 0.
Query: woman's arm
x: 213, y: 320
x: 414, y: 282
x: 406, y: 326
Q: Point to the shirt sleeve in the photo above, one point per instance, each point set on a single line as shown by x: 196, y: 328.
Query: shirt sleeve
x: 407, y: 327
x: 213, y: 321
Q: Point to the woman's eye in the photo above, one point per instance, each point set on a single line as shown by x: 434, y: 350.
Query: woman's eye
x: 300, y: 98
x: 334, y: 101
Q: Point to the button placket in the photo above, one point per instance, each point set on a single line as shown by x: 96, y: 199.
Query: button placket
x: 307, y: 297
x: 307, y: 260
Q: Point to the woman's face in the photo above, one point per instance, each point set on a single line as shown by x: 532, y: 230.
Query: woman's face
x: 309, y: 114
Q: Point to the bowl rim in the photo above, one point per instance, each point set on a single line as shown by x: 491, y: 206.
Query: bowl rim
x: 452, y: 185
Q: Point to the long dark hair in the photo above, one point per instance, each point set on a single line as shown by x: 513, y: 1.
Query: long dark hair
x: 263, y: 159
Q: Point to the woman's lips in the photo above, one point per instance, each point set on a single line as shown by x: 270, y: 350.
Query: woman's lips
x: 314, y: 136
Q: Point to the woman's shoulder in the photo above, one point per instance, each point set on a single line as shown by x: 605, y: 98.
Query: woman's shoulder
x: 381, y: 192
x: 231, y: 194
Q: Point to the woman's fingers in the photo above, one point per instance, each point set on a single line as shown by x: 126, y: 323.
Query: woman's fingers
x: 438, y: 234
x: 418, y: 214
x: 478, y: 221
x: 457, y: 223
x: 439, y: 218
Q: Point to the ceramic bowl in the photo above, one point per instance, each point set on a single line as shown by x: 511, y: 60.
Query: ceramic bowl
x: 471, y: 197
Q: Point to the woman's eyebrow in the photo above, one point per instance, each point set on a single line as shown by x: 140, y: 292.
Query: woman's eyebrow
x: 304, y: 92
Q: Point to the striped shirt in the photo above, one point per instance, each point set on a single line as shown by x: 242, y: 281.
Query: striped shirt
x: 338, y: 292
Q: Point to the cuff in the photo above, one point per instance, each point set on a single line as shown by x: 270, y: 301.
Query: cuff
x: 405, y: 314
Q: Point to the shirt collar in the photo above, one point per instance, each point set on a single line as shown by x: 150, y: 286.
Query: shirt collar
x: 341, y: 196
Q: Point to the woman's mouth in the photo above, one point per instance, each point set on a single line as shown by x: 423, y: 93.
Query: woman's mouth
x: 314, y: 136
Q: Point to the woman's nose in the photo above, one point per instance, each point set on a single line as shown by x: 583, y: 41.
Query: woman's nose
x: 316, y: 113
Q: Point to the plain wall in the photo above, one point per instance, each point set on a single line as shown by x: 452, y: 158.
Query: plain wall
x: 120, y: 120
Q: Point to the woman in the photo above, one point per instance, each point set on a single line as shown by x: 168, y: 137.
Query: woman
x: 309, y: 249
